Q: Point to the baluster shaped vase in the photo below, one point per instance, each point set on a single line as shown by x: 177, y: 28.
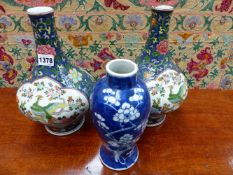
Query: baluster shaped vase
x: 56, y: 92
x: 120, y: 107
x: 166, y: 83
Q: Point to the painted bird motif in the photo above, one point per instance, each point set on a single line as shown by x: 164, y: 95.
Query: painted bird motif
x: 179, y: 96
x: 48, y: 110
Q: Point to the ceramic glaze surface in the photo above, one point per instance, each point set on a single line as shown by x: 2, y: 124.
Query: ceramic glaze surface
x: 167, y: 91
x: 166, y: 83
x: 48, y: 44
x: 45, y: 100
x: 56, y: 93
x: 120, y: 110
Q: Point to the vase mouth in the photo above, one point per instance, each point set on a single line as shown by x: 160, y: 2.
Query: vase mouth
x: 163, y: 8
x: 121, y: 68
x: 41, y: 10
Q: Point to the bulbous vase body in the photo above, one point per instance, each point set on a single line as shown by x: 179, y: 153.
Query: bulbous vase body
x: 56, y: 93
x: 165, y: 81
x: 120, y: 107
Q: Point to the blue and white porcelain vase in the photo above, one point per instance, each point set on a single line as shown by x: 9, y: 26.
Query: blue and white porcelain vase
x: 120, y: 107
x: 56, y: 93
x: 165, y: 81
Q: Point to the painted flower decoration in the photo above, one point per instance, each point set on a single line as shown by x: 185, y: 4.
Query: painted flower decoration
x: 223, y: 20
x: 103, y: 57
x: 151, y: 3
x: 46, y: 49
x: 192, y: 21
x: 118, y: 36
x: 126, y: 139
x: 106, y: 36
x: 97, y: 65
x: 223, y: 63
x: 31, y: 60
x: 80, y: 103
x: 136, y: 90
x: 101, y: 121
x: 6, y: 65
x: 198, y: 68
x: 126, y: 113
x: 134, y: 20
x: 67, y: 22
x: 80, y: 40
x: 135, y: 97
x: 29, y: 93
x: 192, y: 66
x: 83, y: 63
x: 74, y: 75
x: 226, y: 82
x: 25, y: 40
x: 100, y: 20
x: 4, y: 23
x: 109, y: 91
x: 131, y: 40
x: 39, y: 86
x: 105, y: 54
x: 52, y: 94
x: 115, y: 4
x: 72, y: 103
x: 205, y: 55
x: 75, y: 104
x: 110, y: 98
x: 33, y: 3
x: 162, y: 47
x: 200, y: 74
x: 224, y: 6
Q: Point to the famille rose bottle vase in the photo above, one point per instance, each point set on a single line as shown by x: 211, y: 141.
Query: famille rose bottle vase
x: 56, y: 93
x: 165, y: 81
x: 120, y: 106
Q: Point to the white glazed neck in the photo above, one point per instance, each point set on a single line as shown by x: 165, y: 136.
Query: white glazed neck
x: 121, y: 68
x: 163, y: 8
x: 39, y: 11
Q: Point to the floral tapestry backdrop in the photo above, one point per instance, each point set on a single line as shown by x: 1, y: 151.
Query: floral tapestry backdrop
x: 93, y: 32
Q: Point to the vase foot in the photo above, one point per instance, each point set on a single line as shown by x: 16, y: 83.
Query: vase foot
x: 156, y: 120
x: 124, y: 160
x: 67, y: 130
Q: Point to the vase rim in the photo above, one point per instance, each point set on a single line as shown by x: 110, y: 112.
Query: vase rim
x: 165, y: 8
x: 121, y: 68
x: 40, y: 10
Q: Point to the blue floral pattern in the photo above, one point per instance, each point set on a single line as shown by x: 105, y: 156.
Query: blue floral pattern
x: 166, y: 83
x: 120, y: 115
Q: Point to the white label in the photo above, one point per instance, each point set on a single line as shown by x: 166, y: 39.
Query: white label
x: 45, y: 60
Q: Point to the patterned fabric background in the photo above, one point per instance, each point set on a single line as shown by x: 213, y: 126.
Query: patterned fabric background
x: 95, y: 31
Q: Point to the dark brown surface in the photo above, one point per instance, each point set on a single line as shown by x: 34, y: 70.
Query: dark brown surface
x: 196, y: 139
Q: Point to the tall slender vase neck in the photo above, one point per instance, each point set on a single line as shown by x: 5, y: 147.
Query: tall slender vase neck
x: 160, y: 20
x: 45, y: 32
